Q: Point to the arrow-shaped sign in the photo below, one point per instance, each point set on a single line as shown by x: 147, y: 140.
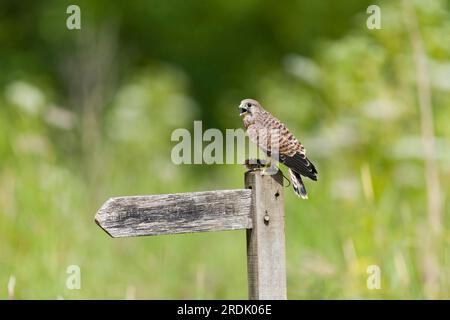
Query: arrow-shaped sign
x: 176, y: 213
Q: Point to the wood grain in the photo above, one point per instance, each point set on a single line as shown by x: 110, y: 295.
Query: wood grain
x: 266, y: 257
x: 176, y: 213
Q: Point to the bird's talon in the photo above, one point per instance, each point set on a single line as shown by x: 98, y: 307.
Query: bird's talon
x: 269, y: 171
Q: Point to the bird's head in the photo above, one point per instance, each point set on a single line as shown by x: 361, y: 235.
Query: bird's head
x: 249, y: 107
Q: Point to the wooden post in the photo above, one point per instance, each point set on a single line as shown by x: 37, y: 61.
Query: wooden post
x: 266, y: 258
x: 260, y: 211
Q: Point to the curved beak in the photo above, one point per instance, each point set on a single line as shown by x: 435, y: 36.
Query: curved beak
x: 242, y: 109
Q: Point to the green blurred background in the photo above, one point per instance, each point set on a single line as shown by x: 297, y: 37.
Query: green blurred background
x: 88, y: 114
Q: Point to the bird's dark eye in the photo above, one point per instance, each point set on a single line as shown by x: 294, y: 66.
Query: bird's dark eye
x: 249, y: 105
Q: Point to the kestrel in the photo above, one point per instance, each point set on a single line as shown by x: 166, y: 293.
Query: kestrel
x: 265, y: 131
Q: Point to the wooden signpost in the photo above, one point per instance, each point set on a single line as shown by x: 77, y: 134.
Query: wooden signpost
x: 259, y: 209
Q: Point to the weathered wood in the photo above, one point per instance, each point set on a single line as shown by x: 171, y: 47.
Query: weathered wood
x: 266, y: 261
x: 176, y: 213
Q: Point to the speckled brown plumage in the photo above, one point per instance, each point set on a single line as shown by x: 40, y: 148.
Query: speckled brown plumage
x: 272, y: 136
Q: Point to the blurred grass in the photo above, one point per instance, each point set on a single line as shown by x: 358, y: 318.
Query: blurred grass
x: 351, y: 100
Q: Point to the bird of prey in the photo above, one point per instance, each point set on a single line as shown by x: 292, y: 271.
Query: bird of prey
x: 265, y: 130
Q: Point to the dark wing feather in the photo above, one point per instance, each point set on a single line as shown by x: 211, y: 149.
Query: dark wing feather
x: 300, y: 164
x: 298, y: 185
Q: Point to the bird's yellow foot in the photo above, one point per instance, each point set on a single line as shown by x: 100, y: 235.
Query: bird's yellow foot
x: 270, y: 170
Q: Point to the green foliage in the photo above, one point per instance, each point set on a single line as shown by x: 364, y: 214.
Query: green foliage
x: 88, y: 114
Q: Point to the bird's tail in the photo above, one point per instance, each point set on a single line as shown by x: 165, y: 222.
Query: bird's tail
x: 297, y: 184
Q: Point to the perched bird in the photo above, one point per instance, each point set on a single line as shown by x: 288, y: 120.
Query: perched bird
x: 265, y: 131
